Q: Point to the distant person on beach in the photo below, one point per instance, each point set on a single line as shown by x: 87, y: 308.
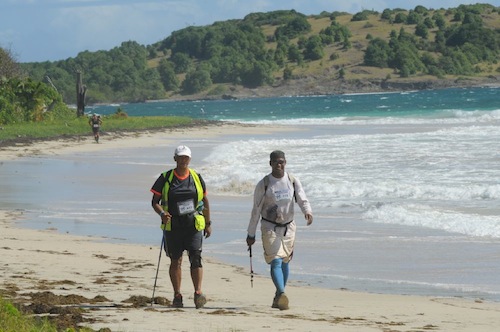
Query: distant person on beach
x: 273, y: 206
x: 180, y: 198
x: 95, y: 122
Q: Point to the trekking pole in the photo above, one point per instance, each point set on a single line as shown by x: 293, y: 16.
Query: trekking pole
x: 251, y: 267
x: 157, y: 269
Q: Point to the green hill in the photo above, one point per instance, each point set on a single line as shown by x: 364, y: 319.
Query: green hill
x: 288, y: 53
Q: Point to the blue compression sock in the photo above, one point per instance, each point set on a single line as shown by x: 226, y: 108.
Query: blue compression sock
x: 279, y: 274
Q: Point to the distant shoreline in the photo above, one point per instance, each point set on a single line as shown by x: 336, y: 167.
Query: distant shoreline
x: 325, y: 86
x: 23, y: 147
x: 112, y: 135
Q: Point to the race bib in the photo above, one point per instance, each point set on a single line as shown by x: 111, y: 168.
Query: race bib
x: 185, y: 207
x: 282, y: 195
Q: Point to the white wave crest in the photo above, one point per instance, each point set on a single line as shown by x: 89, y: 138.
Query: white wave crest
x: 424, y: 216
x: 454, y: 117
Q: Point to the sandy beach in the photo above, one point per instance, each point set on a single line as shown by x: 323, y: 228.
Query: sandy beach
x: 107, y: 285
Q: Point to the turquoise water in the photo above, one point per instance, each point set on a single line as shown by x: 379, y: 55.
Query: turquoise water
x: 428, y: 103
x: 405, y: 187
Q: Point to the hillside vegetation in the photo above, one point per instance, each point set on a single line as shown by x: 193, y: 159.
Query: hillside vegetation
x: 286, y: 52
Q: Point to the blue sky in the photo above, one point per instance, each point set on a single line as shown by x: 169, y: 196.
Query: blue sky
x: 50, y: 30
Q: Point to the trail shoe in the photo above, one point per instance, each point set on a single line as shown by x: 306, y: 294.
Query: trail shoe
x: 275, y: 302
x: 199, y: 300
x: 177, y: 302
x: 282, y: 302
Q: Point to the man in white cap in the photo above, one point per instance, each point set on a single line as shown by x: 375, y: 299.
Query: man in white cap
x: 180, y: 198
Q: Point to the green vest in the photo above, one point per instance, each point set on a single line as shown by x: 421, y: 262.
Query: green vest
x: 199, y: 218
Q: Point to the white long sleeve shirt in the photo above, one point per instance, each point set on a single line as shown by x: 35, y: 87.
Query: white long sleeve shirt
x: 276, y: 204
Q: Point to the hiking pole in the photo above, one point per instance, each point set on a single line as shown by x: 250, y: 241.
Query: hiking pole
x: 251, y: 267
x: 157, y: 269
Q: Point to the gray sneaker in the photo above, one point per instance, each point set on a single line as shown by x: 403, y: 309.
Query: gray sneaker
x: 282, y: 302
x: 177, y: 302
x: 199, y: 300
x: 275, y: 302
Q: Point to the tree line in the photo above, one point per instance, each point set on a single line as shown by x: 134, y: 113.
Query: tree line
x: 456, y: 49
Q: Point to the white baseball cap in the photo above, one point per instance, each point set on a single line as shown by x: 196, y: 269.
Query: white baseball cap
x: 183, y: 150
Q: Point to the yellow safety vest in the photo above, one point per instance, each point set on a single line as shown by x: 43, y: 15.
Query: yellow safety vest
x: 199, y: 218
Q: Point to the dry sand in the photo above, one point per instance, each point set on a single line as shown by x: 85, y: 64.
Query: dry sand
x: 67, y: 273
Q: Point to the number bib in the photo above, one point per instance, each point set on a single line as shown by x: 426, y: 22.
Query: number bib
x: 186, y: 207
x: 281, y: 195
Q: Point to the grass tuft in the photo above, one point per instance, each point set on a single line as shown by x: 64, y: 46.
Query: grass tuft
x: 12, y: 320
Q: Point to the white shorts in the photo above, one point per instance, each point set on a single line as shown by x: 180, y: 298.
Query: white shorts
x: 278, y: 241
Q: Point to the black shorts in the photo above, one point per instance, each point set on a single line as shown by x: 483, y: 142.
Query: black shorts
x: 176, y: 241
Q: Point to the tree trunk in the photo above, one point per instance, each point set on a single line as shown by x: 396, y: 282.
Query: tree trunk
x: 81, y: 91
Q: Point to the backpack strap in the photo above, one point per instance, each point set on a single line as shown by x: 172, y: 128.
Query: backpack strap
x: 292, y: 180
x: 266, y: 183
x: 168, y: 175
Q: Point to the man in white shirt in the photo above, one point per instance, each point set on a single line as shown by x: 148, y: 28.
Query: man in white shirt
x: 273, y: 206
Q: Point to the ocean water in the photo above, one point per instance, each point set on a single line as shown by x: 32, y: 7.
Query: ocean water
x: 405, y: 187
